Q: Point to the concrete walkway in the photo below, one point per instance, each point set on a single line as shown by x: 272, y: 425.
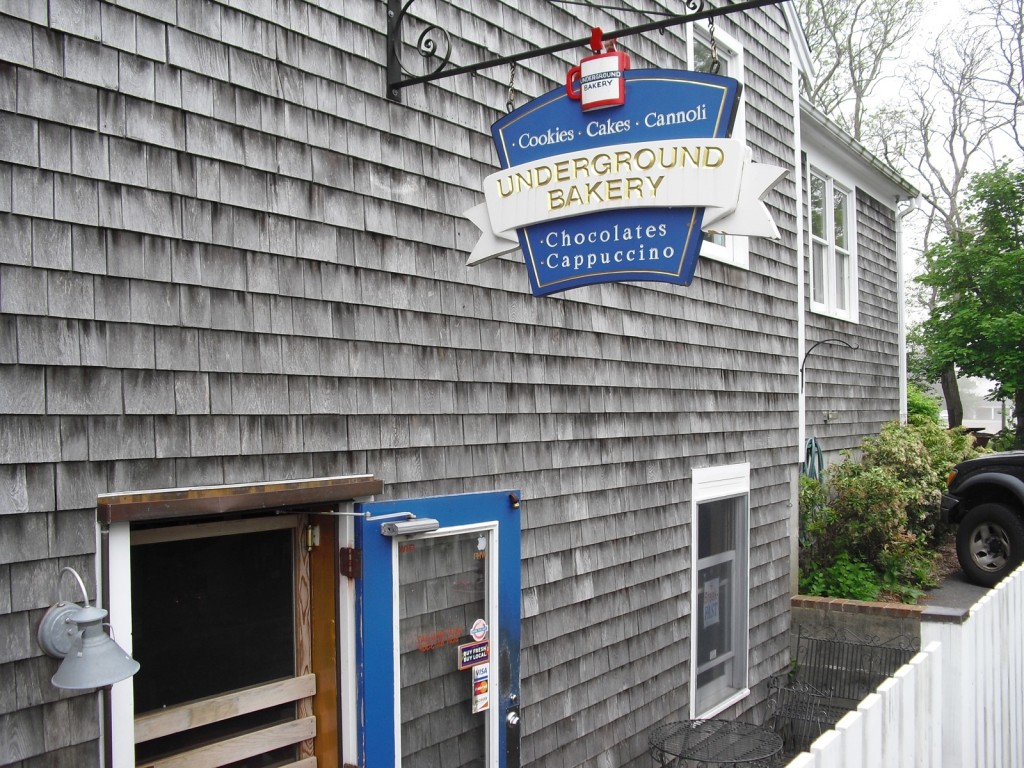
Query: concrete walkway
x: 953, y: 597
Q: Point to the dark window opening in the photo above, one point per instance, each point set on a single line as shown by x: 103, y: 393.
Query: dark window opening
x: 211, y: 615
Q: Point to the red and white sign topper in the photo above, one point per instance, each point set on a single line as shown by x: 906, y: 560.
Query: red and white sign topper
x: 598, y: 82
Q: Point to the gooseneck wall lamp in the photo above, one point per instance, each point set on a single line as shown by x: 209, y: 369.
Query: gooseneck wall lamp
x: 74, y: 633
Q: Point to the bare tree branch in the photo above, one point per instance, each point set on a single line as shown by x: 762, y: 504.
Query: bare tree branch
x: 959, y: 108
x: 853, y: 43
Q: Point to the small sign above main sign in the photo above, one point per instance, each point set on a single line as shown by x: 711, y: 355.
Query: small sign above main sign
x: 597, y: 82
x: 622, y: 194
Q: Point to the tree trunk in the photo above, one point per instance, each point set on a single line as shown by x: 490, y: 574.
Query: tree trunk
x: 951, y: 393
x: 1018, y: 415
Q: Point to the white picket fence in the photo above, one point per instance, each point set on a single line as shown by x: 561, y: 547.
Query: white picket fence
x: 959, y: 703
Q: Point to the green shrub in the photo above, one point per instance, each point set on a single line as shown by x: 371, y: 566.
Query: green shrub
x: 907, y: 575
x: 919, y: 456
x: 921, y: 407
x: 1005, y: 440
x: 870, y: 506
x: 844, y: 578
x: 879, y: 512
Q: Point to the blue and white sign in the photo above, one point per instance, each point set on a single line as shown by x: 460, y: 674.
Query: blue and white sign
x: 622, y: 194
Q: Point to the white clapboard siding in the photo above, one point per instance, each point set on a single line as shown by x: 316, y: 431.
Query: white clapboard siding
x: 960, y: 702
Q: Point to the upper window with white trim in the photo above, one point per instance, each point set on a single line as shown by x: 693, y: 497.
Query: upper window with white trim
x: 832, y: 241
x: 732, y: 249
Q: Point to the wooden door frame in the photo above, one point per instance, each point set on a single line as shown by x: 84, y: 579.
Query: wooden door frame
x: 323, y: 578
x: 316, y: 497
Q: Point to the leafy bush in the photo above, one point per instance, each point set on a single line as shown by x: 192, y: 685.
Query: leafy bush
x: 871, y: 507
x: 1003, y: 441
x: 844, y: 578
x: 879, y: 513
x: 921, y: 407
x: 919, y: 456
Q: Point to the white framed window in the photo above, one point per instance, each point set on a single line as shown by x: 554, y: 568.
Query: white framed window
x: 719, y: 617
x: 731, y: 249
x: 832, y: 242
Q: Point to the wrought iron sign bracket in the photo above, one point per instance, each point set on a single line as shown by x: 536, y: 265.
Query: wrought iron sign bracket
x: 434, y: 43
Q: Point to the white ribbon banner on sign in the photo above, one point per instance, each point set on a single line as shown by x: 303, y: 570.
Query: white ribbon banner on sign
x: 714, y: 174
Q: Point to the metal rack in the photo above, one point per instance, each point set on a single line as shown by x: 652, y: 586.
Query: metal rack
x: 434, y: 44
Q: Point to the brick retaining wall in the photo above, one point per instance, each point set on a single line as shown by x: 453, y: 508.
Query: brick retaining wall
x: 881, y: 621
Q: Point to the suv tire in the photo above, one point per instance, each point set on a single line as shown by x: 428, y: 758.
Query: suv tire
x: 990, y: 543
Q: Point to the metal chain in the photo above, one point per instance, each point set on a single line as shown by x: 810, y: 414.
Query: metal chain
x: 510, y: 102
x: 716, y: 65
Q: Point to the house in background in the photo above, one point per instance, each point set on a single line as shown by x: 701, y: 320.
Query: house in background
x: 237, y: 334
x: 980, y: 414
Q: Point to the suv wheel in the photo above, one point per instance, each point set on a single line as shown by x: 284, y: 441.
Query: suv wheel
x: 990, y: 543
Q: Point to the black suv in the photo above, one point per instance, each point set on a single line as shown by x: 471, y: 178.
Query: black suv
x: 986, y: 499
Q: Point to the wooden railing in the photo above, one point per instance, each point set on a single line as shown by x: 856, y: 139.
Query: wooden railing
x: 194, y: 714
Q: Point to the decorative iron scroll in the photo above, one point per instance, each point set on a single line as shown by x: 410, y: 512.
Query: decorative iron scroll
x: 426, y: 44
x: 435, y: 42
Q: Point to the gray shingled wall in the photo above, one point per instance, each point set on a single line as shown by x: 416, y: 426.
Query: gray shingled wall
x: 861, y: 385
x: 224, y: 257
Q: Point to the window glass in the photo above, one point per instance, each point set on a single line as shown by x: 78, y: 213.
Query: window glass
x: 720, y: 583
x: 839, y: 202
x: 702, y: 58
x: 817, y: 206
x: 717, y: 528
x: 833, y: 262
x: 820, y: 251
x: 720, y: 625
x: 842, y: 280
x: 442, y: 592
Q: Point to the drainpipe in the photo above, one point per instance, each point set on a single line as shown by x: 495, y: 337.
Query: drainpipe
x: 801, y: 330
x: 901, y: 305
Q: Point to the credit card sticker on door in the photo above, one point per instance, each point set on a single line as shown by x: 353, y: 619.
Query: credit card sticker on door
x: 481, y: 698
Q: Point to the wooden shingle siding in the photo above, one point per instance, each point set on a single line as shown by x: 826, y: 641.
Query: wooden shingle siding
x: 225, y: 257
x: 861, y: 385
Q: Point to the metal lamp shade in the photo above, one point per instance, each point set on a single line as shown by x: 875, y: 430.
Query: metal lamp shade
x: 94, y: 659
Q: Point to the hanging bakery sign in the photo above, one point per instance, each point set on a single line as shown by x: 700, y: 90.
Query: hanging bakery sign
x: 615, y: 177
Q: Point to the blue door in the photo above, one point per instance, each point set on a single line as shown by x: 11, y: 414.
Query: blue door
x: 437, y: 631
